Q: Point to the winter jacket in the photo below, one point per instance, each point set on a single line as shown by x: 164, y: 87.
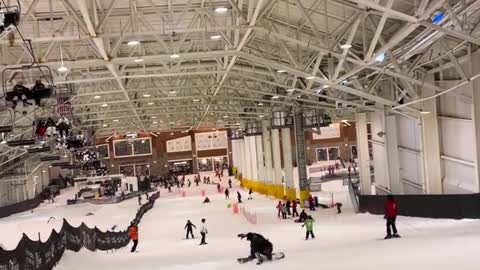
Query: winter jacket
x: 204, y: 228
x: 308, y: 224
x: 391, y: 209
x: 190, y: 225
x: 294, y: 204
x: 133, y: 232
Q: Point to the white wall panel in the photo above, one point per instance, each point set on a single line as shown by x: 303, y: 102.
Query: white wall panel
x: 457, y: 139
x: 458, y: 178
x: 377, y: 125
x: 409, y: 134
x: 411, y: 166
x: 457, y: 103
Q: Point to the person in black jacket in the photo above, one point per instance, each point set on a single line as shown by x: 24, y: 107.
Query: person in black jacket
x: 189, y: 227
x: 239, y: 197
x: 227, y: 194
x: 260, y: 247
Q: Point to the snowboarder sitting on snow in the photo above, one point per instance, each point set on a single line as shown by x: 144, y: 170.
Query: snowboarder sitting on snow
x: 303, y: 216
x: 207, y: 200
x: 259, y: 247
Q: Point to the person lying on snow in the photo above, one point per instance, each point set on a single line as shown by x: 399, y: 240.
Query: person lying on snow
x: 259, y: 247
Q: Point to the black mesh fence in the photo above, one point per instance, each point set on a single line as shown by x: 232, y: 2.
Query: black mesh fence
x: 33, y: 255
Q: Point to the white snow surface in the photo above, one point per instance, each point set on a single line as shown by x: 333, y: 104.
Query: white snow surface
x: 345, y: 241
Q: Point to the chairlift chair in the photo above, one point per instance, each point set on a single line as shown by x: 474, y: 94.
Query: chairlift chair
x: 7, y: 125
x: 35, y: 72
x: 9, y: 19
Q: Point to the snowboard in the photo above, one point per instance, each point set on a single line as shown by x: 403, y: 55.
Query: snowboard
x: 393, y: 237
x: 275, y: 256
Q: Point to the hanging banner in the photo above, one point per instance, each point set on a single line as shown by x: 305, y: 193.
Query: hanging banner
x: 330, y: 132
x: 182, y: 144
x: 211, y: 140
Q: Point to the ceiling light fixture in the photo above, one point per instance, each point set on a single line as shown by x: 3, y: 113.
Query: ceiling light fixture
x: 133, y: 43
x: 105, y: 125
x: 154, y: 117
x: 155, y: 122
x: 115, y: 120
x: 63, y: 68
x: 275, y: 97
x: 138, y: 60
x: 260, y: 104
x: 225, y: 116
x: 221, y: 9
x: 261, y: 116
x: 175, y: 56
x: 104, y: 105
x: 310, y: 77
x: 150, y: 103
x: 215, y: 37
x: 380, y: 57
x: 96, y: 97
x: 425, y: 112
x: 173, y: 92
x: 290, y: 89
x: 196, y: 100
x: 147, y: 95
x: 238, y: 124
x: 281, y: 71
x: 346, y: 46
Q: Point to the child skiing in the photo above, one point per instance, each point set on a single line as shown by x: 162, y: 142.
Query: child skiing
x: 189, y: 227
x: 203, y: 232
x: 308, y: 224
x: 227, y: 194
x: 391, y: 211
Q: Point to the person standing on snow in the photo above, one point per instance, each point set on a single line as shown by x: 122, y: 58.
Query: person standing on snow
x: 219, y: 188
x: 133, y: 233
x: 391, y: 211
x: 294, y: 208
x: 250, y: 192
x: 287, y: 204
x: 189, y: 227
x: 279, y: 208
x: 227, y: 194
x: 189, y: 182
x: 284, y: 211
x: 139, y: 199
x: 230, y: 183
x: 308, y: 224
x: 239, y: 197
x: 203, y: 232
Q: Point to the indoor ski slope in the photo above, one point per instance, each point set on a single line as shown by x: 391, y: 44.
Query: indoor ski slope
x: 346, y: 241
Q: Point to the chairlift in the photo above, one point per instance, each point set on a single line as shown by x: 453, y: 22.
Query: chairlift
x: 21, y: 142
x: 30, y: 74
x: 60, y: 164
x: 9, y: 19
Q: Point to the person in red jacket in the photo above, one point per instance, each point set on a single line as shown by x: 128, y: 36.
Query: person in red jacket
x: 133, y: 233
x: 391, y: 211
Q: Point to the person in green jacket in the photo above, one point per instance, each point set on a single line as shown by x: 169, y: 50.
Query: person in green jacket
x: 308, y: 224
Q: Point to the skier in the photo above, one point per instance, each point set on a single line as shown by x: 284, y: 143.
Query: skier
x: 259, y: 247
x: 203, y: 232
x: 189, y: 227
x: 133, y: 233
x: 230, y: 183
x: 294, y: 208
x: 250, y: 192
x: 391, y: 210
x: 139, y: 199
x: 308, y: 224
x: 239, y: 197
x: 227, y: 194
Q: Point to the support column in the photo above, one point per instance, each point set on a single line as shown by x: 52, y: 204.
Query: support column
x: 248, y: 164
x: 260, y: 167
x: 392, y: 160
x: 431, y: 143
x: 267, y: 149
x: 288, y: 163
x: 363, y: 154
x: 277, y: 163
x: 243, y: 163
x: 301, y: 163
x: 475, y: 69
x: 253, y: 158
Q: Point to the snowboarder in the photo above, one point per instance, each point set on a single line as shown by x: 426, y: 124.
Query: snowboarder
x: 203, y: 232
x: 230, y: 183
x: 259, y: 247
x: 189, y: 227
x: 239, y: 197
x: 139, y: 199
x: 308, y: 224
x: 250, y: 192
x: 294, y: 208
x: 303, y: 216
x: 227, y: 194
x: 391, y: 210
x: 133, y: 233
